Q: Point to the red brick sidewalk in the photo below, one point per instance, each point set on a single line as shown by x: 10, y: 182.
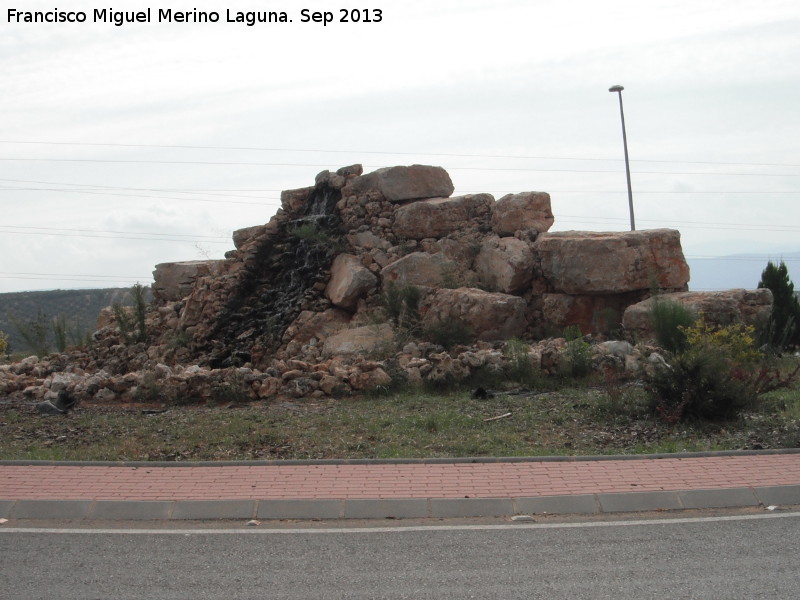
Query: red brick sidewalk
x: 393, y: 481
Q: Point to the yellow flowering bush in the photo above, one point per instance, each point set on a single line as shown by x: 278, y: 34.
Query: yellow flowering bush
x: 737, y: 342
x: 719, y: 373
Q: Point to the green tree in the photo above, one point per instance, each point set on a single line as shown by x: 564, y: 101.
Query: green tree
x: 783, y: 328
x: 34, y: 332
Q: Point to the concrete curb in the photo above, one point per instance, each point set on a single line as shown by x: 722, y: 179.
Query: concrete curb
x: 398, y: 461
x: 409, y: 508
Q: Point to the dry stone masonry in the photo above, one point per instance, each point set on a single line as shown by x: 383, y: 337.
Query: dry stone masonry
x: 335, y: 293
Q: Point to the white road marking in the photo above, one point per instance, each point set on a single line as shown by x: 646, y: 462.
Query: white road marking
x: 398, y: 528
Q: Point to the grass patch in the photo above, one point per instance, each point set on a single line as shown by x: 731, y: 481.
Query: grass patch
x: 600, y: 417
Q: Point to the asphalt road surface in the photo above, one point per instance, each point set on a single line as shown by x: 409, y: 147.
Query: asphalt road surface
x: 742, y: 556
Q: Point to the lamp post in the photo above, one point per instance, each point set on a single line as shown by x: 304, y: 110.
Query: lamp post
x: 618, y: 89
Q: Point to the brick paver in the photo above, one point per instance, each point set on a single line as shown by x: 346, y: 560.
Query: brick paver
x: 388, y: 481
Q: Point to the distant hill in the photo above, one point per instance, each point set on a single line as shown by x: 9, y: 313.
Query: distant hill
x: 79, y: 307
x: 736, y: 271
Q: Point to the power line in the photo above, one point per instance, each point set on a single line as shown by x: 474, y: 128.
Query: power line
x: 390, y: 153
x: 73, y: 278
x: 111, y: 237
x: 489, y: 169
x: 172, y: 236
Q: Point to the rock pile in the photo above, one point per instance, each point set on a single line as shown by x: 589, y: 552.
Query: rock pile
x: 343, y: 289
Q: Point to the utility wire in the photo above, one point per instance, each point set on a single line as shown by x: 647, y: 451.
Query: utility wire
x: 389, y: 153
x: 489, y: 169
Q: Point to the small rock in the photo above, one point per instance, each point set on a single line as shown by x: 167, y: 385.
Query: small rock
x: 253, y: 523
x: 523, y: 519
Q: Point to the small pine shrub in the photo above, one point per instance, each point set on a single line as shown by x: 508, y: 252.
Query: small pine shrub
x: 3, y: 344
x: 783, y: 327
x: 668, y: 318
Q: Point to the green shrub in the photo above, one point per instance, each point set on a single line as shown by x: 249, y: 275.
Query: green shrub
x: 783, y: 328
x: 519, y: 366
x: 35, y: 333
x: 60, y: 332
x: 317, y: 236
x: 698, y: 383
x: 668, y: 318
x: 232, y: 391
x: 449, y: 333
x: 402, y: 304
x: 578, y: 355
x: 131, y: 320
x: 737, y: 342
x: 3, y: 343
x: 720, y: 373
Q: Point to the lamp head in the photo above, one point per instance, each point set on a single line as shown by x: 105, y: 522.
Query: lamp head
x: 616, y: 88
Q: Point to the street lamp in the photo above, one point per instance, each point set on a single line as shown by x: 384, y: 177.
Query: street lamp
x: 618, y: 89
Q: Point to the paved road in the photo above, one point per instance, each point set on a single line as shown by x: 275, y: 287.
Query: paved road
x: 748, y: 556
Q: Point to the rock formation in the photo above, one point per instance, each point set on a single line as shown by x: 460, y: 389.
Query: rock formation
x: 340, y: 289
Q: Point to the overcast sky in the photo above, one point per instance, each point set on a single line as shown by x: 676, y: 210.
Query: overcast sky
x: 125, y: 146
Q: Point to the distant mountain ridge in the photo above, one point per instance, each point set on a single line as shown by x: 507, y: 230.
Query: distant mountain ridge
x: 79, y: 307
x: 736, y: 270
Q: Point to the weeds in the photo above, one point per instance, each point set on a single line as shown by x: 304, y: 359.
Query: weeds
x: 131, y: 320
x: 231, y: 392
x: 310, y: 232
x: 449, y: 333
x: 402, y: 305
x: 669, y: 321
x: 578, y: 355
x: 519, y: 365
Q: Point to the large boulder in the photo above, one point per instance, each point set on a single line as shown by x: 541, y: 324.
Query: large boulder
x: 359, y: 341
x: 316, y: 325
x: 527, y: 211
x: 173, y: 281
x: 505, y: 265
x: 350, y: 281
x: 398, y: 184
x: 586, y: 262
x: 489, y: 316
x: 439, y: 217
x: 419, y: 268
x: 245, y: 235
x: 751, y: 307
x: 597, y: 314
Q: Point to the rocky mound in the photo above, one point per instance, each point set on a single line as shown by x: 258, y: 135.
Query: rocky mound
x: 364, y: 277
